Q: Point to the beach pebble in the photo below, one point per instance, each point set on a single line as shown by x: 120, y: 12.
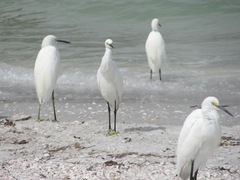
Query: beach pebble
x: 234, y: 169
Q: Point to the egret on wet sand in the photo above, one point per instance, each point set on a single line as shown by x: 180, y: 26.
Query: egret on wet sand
x: 155, y: 49
x: 46, y: 71
x: 199, y: 137
x: 110, y: 82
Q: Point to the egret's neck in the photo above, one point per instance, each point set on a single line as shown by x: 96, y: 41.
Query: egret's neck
x: 211, y: 115
x: 108, y: 52
x: 155, y: 28
x: 45, y: 44
x: 106, y: 60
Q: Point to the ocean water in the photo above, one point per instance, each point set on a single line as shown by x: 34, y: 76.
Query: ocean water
x: 202, y: 43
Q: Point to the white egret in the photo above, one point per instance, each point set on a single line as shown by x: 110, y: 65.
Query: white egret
x: 46, y: 71
x: 199, y: 137
x: 110, y: 82
x: 155, y: 49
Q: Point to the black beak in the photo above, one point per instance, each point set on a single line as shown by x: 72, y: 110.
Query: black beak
x: 63, y: 41
x: 225, y: 110
x: 159, y: 24
x: 110, y: 45
x: 199, y: 106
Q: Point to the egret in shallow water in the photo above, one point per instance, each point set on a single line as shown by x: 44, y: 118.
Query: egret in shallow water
x: 46, y: 71
x: 110, y: 82
x: 199, y: 137
x: 155, y: 49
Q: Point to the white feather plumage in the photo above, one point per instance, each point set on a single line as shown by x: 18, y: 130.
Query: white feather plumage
x: 199, y: 137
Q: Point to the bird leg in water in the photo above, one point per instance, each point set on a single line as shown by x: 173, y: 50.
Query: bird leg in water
x: 160, y: 74
x: 54, y: 110
x: 109, y: 116
x: 115, y: 116
x: 150, y: 74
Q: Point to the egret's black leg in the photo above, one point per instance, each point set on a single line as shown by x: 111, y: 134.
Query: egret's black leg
x: 150, y: 73
x: 109, y: 116
x: 54, y: 110
x: 160, y: 74
x: 115, y: 116
x: 195, y: 175
x: 191, y: 175
x: 39, y: 111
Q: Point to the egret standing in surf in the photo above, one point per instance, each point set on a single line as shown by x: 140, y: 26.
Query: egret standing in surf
x: 46, y: 71
x: 155, y: 49
x: 199, y: 137
x: 110, y: 82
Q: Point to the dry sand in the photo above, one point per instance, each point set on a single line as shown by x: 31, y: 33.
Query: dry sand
x: 78, y: 149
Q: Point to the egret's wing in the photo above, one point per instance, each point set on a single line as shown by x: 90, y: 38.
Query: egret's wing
x: 155, y: 50
x: 189, y: 143
x: 188, y: 124
x: 162, y: 52
x: 98, y: 78
x: 46, y: 71
x: 150, y: 46
x: 118, y: 80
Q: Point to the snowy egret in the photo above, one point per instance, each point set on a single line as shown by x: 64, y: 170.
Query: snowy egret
x: 46, y: 71
x: 155, y: 49
x: 199, y: 137
x: 110, y: 82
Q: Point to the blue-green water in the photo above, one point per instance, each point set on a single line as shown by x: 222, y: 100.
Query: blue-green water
x: 202, y: 43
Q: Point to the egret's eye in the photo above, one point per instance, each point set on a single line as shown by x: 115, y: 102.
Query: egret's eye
x: 214, y: 103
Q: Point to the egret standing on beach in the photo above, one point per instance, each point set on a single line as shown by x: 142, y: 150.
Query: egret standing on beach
x: 155, y: 49
x: 110, y: 82
x: 199, y: 137
x: 46, y: 71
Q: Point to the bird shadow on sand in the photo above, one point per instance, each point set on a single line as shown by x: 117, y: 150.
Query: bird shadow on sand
x: 144, y: 129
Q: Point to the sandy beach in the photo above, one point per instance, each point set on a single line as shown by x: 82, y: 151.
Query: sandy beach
x: 79, y: 147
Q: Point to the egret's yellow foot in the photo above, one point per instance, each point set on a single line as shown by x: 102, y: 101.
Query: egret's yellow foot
x: 111, y: 132
x: 40, y: 120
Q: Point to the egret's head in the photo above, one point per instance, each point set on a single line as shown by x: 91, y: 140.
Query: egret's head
x: 210, y: 103
x: 51, y: 40
x: 109, y: 44
x: 155, y: 24
x: 213, y: 103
